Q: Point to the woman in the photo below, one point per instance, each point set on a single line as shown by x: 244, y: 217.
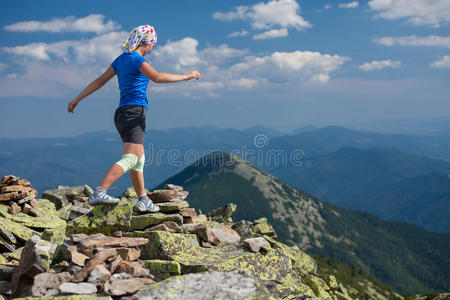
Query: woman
x: 133, y: 73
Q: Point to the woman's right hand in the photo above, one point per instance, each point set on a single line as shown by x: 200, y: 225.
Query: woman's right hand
x: 193, y: 74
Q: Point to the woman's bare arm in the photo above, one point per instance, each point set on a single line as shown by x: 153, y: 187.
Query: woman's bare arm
x: 92, y: 87
x: 157, y: 77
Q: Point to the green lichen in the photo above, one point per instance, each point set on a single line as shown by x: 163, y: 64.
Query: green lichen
x: 16, y: 254
x: 262, y: 227
x: 163, y: 245
x: 319, y: 287
x: 55, y: 235
x: 103, y: 218
x: 140, y: 222
x: 46, y: 218
x: 162, y: 269
x: 2, y: 259
x: 20, y: 231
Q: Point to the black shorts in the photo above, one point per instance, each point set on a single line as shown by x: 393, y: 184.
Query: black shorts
x: 130, y: 123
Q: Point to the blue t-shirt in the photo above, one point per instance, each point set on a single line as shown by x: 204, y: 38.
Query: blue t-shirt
x: 132, y: 83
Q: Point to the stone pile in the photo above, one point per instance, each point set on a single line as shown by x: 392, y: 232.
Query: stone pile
x: 22, y: 216
x: 111, y: 251
x: 19, y: 195
x: 71, y: 202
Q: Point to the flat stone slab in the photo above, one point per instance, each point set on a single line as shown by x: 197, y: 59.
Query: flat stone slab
x: 172, y: 206
x: 205, y: 286
x: 139, y: 222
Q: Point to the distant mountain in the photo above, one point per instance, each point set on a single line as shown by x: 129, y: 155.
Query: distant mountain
x: 400, y: 254
x: 389, y: 183
x: 331, y: 138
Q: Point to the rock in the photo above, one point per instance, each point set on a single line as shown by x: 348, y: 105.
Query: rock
x: 70, y: 252
x: 120, y: 287
x: 7, y: 234
x: 129, y: 254
x: 255, y: 244
x: 82, y: 288
x: 47, y: 216
x: 224, y: 234
x: 5, y: 288
x: 81, y: 198
x: 243, y: 228
x: 172, y: 206
x: 76, y: 211
x: 14, y: 208
x: 97, y: 259
x: 114, y: 264
x: 205, y: 233
x: 104, y: 218
x: 74, y: 269
x: 63, y: 195
x: 34, y: 260
x: 7, y: 271
x: 132, y: 269
x: 318, y: 285
x: 206, y: 244
x: 205, y: 286
x: 99, y: 275
x: 170, y: 186
x: 78, y: 237
x: 46, y: 284
x: 223, y: 214
x: 160, y: 196
x: 110, y: 241
x: 118, y: 233
x: 168, y: 226
x: 262, y: 227
x: 182, y: 194
x: 162, y: 269
x: 34, y: 203
x: 4, y: 245
x: 332, y: 282
x: 162, y: 244
x: 187, y: 212
x: 195, y: 219
x: 143, y: 221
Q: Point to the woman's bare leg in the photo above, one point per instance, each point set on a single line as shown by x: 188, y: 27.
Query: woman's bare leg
x: 116, y: 171
x: 137, y: 178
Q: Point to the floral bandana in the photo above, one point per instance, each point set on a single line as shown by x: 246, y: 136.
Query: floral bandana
x: 142, y: 33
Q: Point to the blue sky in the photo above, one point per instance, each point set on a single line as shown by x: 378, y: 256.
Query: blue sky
x: 281, y: 63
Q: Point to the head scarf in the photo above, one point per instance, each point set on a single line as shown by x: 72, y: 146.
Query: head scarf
x: 143, y: 33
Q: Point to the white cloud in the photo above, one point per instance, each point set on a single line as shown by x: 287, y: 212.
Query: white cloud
x: 265, y: 16
x: 270, y: 34
x: 433, y: 13
x: 102, y: 48
x: 290, y: 67
x: 352, y: 4
x: 238, y: 33
x: 412, y: 40
x: 379, y: 64
x: 327, y: 6
x: 444, y: 62
x: 92, y: 23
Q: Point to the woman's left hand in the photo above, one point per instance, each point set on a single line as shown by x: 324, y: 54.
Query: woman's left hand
x: 71, y: 106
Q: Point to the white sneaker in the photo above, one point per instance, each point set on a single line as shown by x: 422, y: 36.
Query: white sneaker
x: 147, y: 206
x: 102, y: 198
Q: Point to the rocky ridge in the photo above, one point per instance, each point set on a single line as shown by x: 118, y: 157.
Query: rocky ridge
x: 178, y: 253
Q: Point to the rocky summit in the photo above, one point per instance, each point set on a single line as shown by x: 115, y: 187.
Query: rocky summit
x: 70, y: 250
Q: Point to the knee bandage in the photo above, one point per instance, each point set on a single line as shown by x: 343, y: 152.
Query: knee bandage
x: 139, y: 167
x: 128, y: 161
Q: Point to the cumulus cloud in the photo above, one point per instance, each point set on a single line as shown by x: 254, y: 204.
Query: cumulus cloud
x: 352, y: 4
x: 433, y: 13
x: 92, y: 23
x: 327, y: 6
x: 270, y: 34
x: 265, y: 16
x: 412, y: 40
x: 444, y: 62
x: 379, y: 64
x: 238, y: 33
x: 290, y: 67
x: 102, y: 48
